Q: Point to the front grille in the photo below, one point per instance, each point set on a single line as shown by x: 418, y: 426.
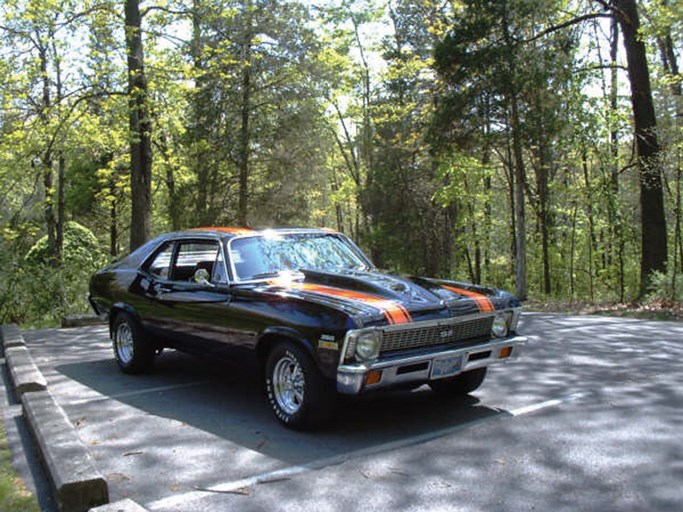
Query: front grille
x: 455, y: 333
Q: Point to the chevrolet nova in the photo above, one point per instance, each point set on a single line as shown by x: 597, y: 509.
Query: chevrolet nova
x: 311, y: 307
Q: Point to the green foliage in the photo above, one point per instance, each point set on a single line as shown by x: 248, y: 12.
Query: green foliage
x: 42, y: 295
x: 37, y: 291
x: 13, y: 494
x: 665, y: 287
x: 391, y: 121
x: 81, y: 250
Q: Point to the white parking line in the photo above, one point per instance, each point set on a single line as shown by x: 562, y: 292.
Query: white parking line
x: 292, y: 471
x: 548, y: 403
x: 126, y: 394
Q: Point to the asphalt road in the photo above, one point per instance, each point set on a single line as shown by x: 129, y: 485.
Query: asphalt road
x: 589, y: 418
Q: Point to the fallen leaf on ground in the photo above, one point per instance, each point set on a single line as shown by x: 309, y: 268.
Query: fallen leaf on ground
x: 274, y: 480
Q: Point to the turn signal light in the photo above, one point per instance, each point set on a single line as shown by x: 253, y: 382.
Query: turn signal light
x: 505, y: 352
x: 373, y: 377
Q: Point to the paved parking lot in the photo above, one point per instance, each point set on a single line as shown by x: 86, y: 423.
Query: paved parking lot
x: 590, y: 418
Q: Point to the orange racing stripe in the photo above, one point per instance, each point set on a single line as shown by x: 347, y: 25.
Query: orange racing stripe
x: 482, y: 301
x: 394, y: 312
x: 236, y: 231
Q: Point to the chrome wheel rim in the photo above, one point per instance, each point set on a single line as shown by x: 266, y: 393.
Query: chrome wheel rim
x: 288, y: 384
x: 123, y: 341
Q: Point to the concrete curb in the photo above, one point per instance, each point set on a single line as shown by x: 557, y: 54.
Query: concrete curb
x: 126, y: 505
x: 78, y: 485
x: 10, y: 336
x: 81, y: 321
x: 25, y: 375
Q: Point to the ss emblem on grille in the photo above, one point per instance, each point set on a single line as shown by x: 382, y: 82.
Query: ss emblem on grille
x: 446, y: 334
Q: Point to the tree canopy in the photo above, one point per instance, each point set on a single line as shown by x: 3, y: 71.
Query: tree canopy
x: 534, y: 146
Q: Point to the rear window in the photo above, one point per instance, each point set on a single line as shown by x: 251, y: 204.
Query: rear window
x: 161, y: 264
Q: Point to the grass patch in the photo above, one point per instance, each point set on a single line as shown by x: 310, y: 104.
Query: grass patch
x: 14, y: 497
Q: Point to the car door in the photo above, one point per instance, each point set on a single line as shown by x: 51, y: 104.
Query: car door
x: 188, y: 293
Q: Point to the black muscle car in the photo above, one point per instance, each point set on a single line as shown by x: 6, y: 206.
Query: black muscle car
x: 311, y: 306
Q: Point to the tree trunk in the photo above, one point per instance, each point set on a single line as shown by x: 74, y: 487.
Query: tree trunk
x: 113, y: 222
x: 174, y: 206
x: 140, y: 129
x: 572, y: 250
x: 61, y: 205
x: 245, y: 129
x: 543, y: 191
x: 61, y: 165
x: 670, y: 64
x: 198, y: 131
x: 368, y: 218
x: 615, y: 215
x: 592, y: 244
x: 486, y: 160
x: 48, y: 163
x: 519, y: 169
x: 520, y: 222
x: 510, y: 177
x: 653, y: 221
x: 243, y: 198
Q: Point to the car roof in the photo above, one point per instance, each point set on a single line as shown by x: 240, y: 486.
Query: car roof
x: 232, y: 232
x: 140, y: 254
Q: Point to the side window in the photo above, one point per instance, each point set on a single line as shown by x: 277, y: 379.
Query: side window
x: 161, y: 264
x: 193, y: 256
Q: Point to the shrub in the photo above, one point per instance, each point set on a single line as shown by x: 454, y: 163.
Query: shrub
x: 81, y: 249
x: 664, y: 287
x: 36, y: 292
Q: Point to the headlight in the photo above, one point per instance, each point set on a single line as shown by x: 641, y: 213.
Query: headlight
x: 367, y: 345
x: 501, y: 324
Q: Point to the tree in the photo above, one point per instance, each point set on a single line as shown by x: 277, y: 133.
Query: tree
x: 493, y: 79
x: 409, y: 229
x: 256, y: 125
x: 140, y: 125
x: 654, y: 251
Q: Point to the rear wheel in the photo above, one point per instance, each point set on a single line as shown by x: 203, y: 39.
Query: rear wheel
x: 299, y: 395
x: 133, y: 351
x: 460, y: 385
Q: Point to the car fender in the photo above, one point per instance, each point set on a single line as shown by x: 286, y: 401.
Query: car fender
x: 117, y: 307
x: 268, y: 337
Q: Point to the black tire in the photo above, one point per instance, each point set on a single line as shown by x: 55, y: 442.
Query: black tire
x: 460, y: 385
x: 300, y: 397
x: 133, y: 351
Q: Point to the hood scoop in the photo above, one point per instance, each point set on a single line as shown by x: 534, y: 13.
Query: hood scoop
x: 386, y: 286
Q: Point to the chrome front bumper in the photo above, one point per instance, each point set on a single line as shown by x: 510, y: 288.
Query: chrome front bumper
x: 353, y: 379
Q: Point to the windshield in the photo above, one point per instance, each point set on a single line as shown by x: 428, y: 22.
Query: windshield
x: 258, y: 257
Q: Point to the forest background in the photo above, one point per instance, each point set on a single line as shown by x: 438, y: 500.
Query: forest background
x: 533, y: 145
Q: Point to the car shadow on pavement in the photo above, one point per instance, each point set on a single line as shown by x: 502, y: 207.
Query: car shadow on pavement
x: 225, y: 399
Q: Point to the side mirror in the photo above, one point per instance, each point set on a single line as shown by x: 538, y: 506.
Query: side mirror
x: 201, y: 276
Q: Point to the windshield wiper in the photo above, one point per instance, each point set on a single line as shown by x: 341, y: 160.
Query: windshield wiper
x: 277, y: 273
x: 264, y: 275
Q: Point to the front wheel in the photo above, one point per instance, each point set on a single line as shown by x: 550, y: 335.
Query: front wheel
x: 460, y: 385
x: 132, y: 349
x: 299, y: 395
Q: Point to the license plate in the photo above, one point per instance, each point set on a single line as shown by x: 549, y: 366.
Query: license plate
x: 446, y: 366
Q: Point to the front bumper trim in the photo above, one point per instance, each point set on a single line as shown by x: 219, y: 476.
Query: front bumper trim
x: 413, y: 369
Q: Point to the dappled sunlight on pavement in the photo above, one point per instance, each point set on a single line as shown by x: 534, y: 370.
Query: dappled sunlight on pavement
x: 590, y: 417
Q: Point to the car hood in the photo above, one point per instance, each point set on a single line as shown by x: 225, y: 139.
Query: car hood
x: 383, y: 298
